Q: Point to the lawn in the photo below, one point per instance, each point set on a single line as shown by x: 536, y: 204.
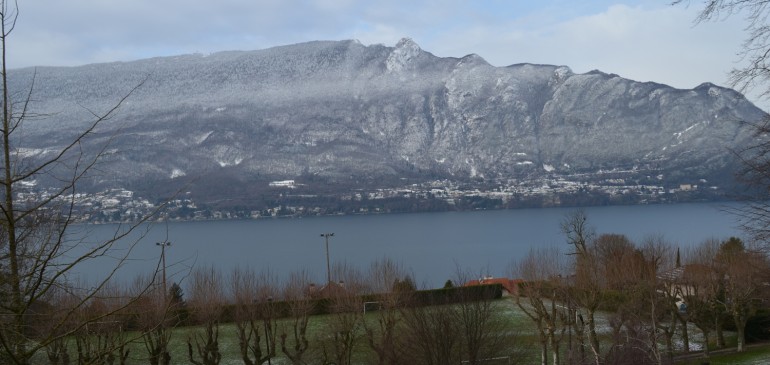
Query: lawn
x: 317, y: 327
x: 520, y: 325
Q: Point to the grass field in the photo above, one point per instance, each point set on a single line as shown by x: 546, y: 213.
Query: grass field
x: 525, y: 343
x: 317, y: 328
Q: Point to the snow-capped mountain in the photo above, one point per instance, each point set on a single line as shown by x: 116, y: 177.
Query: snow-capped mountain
x: 342, y: 113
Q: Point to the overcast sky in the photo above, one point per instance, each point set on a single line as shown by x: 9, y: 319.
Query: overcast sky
x: 645, y: 40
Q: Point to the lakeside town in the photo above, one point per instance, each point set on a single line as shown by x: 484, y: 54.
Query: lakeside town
x: 290, y: 198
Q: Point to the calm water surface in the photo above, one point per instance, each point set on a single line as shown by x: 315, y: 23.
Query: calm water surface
x: 430, y: 245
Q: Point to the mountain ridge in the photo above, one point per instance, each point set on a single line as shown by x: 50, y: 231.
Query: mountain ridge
x: 339, y: 111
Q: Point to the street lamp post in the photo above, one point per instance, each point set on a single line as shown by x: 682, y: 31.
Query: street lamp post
x: 163, y: 262
x: 328, y: 266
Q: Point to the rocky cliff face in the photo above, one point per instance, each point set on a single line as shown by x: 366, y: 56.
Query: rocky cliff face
x: 338, y: 112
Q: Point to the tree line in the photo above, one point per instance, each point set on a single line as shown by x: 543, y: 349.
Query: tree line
x: 649, y: 295
x: 369, y: 317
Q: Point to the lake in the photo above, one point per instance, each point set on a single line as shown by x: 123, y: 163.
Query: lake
x: 430, y: 245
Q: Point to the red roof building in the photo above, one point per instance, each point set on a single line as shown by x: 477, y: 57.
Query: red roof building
x: 509, y: 285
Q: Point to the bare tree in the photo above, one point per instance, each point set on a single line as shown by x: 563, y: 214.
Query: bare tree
x: 59, y: 304
x: 154, y: 322
x: 628, y: 286
x: 102, y: 340
x: 544, y: 272
x: 207, y: 304
x: 483, y: 332
x: 744, y: 273
x: 294, y: 340
x: 755, y: 216
x: 156, y: 316
x: 345, y: 323
x: 453, y: 325
x: 382, y: 333
x: 643, y: 297
x: 611, y: 272
x: 660, y: 294
x: 702, y: 286
x: 615, y: 254
x: 752, y: 75
x: 36, y: 254
x: 432, y: 335
x: 587, y: 289
x: 254, y: 306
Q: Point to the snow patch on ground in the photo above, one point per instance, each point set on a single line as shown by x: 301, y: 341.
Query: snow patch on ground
x: 655, y: 93
x: 682, y: 135
x: 548, y: 168
x: 30, y: 152
x: 175, y: 173
x: 234, y: 162
x: 199, y: 139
